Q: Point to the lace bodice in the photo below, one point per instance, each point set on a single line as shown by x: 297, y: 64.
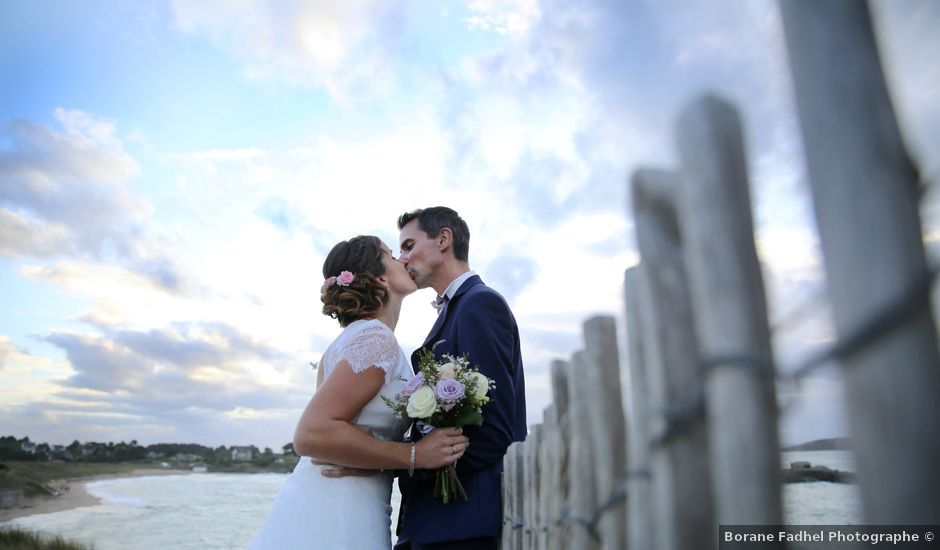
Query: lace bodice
x: 364, y: 344
x: 371, y: 344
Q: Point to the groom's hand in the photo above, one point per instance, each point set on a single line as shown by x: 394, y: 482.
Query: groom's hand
x: 335, y: 471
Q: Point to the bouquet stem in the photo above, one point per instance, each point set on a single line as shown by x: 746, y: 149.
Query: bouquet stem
x: 447, y: 485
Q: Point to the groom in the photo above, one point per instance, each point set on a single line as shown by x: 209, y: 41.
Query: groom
x: 472, y: 319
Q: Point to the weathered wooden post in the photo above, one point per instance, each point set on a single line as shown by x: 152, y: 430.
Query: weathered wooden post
x: 519, y: 502
x: 865, y: 190
x: 558, y: 536
x: 511, y: 488
x: 508, y: 489
x: 679, y: 460
x: 730, y: 315
x: 546, y: 470
x: 605, y: 418
x: 531, y: 475
x: 640, y: 533
x: 580, y: 462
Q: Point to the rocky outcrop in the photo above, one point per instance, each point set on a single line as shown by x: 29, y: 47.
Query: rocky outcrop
x: 803, y: 472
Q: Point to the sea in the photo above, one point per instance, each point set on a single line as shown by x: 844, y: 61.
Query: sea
x: 205, y: 511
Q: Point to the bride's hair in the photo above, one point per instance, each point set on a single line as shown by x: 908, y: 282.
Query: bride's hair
x: 364, y: 296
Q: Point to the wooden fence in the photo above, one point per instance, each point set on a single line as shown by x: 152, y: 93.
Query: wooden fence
x: 695, y: 444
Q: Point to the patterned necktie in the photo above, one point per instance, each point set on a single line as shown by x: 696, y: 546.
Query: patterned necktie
x: 439, y: 303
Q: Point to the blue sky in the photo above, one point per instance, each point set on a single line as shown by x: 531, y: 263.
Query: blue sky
x: 173, y: 173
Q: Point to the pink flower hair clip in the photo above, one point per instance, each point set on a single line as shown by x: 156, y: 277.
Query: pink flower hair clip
x: 345, y: 278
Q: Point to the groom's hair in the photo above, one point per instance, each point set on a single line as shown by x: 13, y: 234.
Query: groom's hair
x: 432, y: 220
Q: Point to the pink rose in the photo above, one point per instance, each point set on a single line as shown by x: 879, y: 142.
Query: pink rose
x: 329, y: 281
x: 345, y: 278
x: 447, y: 371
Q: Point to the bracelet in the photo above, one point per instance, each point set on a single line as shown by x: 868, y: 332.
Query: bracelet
x: 411, y: 465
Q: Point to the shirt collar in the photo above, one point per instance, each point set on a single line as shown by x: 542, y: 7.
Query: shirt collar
x: 456, y: 283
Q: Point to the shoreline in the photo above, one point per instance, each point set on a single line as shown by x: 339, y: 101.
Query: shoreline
x: 76, y: 496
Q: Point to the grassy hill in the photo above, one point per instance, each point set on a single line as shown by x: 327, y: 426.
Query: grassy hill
x: 830, y: 444
x: 34, y: 477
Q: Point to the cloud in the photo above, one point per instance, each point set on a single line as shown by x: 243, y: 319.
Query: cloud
x: 346, y: 47
x: 21, y: 235
x: 7, y: 348
x: 190, y: 381
x: 137, y: 360
x: 510, y: 17
x: 63, y: 192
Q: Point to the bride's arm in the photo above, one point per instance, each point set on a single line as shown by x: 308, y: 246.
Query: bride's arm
x: 325, y: 429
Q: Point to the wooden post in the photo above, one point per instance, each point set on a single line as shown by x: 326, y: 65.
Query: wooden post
x: 519, y: 503
x: 580, y: 462
x: 558, y: 535
x: 510, y: 489
x: 601, y: 375
x: 640, y: 533
x: 546, y: 470
x: 679, y: 461
x: 730, y: 315
x: 532, y: 486
x: 865, y: 190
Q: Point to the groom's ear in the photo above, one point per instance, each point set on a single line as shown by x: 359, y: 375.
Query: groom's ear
x: 445, y: 239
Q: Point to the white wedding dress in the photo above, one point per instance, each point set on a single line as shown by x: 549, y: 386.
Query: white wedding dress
x: 312, y: 511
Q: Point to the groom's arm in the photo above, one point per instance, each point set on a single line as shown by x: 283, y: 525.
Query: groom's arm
x: 486, y: 331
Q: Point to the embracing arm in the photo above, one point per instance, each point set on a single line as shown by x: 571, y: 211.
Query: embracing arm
x: 325, y: 429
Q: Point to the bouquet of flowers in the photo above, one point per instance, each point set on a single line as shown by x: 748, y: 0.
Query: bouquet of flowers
x: 447, y: 394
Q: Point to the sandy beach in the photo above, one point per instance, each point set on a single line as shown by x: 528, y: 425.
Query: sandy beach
x: 76, y: 496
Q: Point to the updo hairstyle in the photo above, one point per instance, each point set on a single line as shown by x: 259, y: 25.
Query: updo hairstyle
x: 364, y: 297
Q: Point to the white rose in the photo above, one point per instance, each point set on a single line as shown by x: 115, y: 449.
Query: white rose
x: 481, y: 385
x: 422, y: 403
x: 447, y: 371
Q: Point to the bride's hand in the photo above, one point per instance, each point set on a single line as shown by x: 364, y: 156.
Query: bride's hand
x: 441, y: 447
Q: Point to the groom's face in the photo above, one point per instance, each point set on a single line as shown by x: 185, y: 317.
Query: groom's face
x: 419, y: 253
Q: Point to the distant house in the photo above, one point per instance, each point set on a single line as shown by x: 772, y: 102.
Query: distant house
x: 241, y: 454
x: 186, y: 457
x: 29, y: 447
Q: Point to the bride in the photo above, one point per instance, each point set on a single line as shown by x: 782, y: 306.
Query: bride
x: 363, y: 289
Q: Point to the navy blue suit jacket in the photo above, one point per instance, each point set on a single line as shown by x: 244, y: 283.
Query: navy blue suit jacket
x: 476, y: 321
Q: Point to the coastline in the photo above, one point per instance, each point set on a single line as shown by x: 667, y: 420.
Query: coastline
x: 76, y: 496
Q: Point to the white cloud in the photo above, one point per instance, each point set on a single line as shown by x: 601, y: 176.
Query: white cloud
x: 64, y: 193
x: 510, y: 17
x: 344, y: 46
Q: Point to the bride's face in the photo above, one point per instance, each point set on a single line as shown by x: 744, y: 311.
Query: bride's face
x: 399, y: 281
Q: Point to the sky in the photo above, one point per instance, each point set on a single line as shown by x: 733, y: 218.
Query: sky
x: 173, y: 173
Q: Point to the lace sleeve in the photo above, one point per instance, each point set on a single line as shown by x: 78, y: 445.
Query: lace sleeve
x: 374, y: 346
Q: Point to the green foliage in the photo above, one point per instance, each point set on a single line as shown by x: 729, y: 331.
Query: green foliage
x: 12, y: 538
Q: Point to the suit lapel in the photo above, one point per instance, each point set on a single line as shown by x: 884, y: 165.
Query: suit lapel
x: 442, y: 316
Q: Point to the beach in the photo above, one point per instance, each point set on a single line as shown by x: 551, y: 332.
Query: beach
x: 75, y: 494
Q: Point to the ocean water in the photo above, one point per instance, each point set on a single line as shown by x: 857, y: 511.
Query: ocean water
x: 206, y: 511
x: 821, y: 503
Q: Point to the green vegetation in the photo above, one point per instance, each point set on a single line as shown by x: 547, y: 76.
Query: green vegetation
x: 172, y: 455
x: 39, y: 469
x: 34, y: 477
x: 831, y: 444
x: 12, y: 538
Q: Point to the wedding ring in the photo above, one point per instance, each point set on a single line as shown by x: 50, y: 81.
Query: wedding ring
x: 453, y: 450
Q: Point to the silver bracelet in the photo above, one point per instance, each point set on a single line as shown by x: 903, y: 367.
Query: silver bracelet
x: 411, y: 465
